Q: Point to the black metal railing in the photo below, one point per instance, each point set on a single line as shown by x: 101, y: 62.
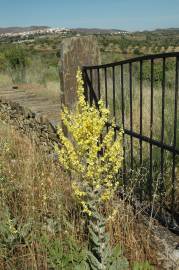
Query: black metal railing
x: 142, y: 94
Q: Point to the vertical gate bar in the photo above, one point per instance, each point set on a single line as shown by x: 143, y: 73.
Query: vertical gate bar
x: 141, y: 128
x: 114, y: 97
x: 86, y: 87
x: 131, y: 108
x: 123, y: 124
x: 122, y: 96
x: 99, y: 85
x: 91, y: 79
x: 114, y: 94
x: 106, y: 91
x: 162, y: 130
x: 175, y: 138
x: 106, y: 87
x: 151, y: 132
x: 141, y: 109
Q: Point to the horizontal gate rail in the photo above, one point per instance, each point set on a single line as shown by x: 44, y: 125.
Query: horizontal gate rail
x: 149, y: 140
x: 133, y: 60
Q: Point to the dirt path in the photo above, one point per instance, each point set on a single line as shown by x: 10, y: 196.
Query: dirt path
x: 37, y: 101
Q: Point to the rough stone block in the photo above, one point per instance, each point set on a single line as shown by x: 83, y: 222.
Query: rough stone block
x: 75, y: 52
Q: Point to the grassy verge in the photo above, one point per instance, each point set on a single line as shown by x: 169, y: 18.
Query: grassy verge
x: 41, y: 225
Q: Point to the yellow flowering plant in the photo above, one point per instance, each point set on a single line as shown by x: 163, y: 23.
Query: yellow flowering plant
x: 92, y: 162
x: 93, y: 158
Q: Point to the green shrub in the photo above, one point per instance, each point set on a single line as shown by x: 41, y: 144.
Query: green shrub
x: 16, y: 62
x: 137, y: 51
x: 64, y: 254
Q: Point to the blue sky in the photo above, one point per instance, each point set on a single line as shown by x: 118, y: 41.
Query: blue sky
x: 122, y: 14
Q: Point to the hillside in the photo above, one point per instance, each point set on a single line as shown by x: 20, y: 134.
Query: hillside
x: 17, y: 29
x: 97, y: 30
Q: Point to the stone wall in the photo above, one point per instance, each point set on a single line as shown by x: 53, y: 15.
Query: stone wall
x: 161, y: 243
x: 39, y: 129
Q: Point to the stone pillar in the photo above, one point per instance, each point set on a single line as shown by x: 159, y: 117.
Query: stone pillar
x: 75, y: 52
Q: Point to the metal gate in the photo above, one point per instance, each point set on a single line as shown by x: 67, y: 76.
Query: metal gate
x: 142, y: 94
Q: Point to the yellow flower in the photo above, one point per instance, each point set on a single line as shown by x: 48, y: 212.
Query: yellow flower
x: 93, y: 173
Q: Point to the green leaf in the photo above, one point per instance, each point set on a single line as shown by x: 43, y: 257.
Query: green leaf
x: 82, y: 266
x: 117, y: 251
x: 119, y: 264
x: 93, y: 262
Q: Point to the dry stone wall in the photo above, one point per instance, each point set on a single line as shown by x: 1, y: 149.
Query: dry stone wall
x: 42, y: 131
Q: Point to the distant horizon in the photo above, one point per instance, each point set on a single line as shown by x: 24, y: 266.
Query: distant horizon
x: 81, y: 27
x: 128, y: 15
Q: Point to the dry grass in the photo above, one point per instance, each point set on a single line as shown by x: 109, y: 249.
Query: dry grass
x: 5, y: 80
x: 125, y: 227
x: 35, y: 202
x: 37, y: 209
